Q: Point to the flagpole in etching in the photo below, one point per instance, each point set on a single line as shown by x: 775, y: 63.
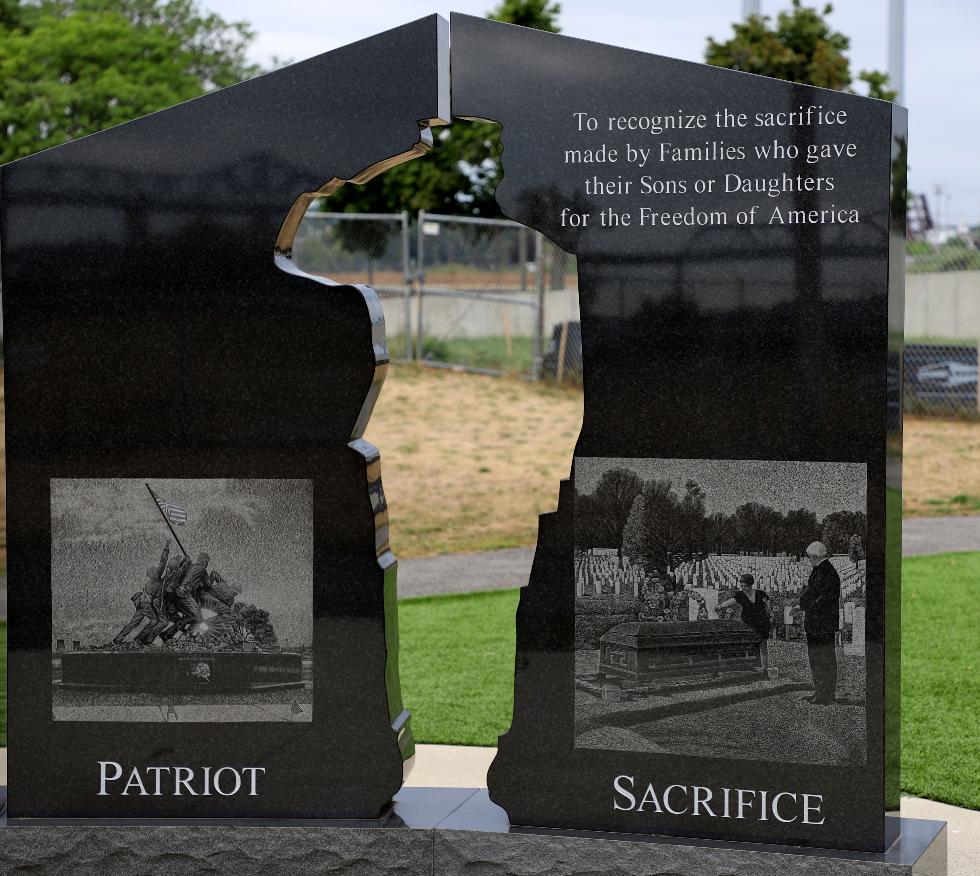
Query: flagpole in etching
x: 156, y: 501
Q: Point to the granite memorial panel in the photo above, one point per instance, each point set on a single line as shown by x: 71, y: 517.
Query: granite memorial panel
x: 740, y: 279
x: 202, y: 593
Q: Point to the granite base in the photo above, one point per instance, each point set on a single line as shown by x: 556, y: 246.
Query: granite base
x: 438, y: 831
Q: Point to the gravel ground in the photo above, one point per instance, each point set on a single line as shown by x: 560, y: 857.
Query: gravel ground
x: 770, y: 723
x: 777, y: 728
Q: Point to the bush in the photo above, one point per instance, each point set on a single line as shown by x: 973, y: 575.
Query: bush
x: 435, y: 350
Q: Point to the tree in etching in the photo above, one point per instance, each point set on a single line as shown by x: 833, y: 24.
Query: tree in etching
x: 692, y: 508
x: 654, y: 530
x: 613, y: 498
x: 249, y: 628
x: 856, y: 550
x: 838, y: 528
x: 591, y: 530
x: 800, y: 529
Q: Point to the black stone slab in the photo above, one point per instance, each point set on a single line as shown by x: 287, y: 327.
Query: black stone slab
x: 708, y: 337
x: 439, y: 831
x: 173, y: 673
x: 477, y: 836
x: 156, y: 328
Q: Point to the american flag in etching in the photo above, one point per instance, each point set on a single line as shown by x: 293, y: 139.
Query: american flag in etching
x: 174, y: 513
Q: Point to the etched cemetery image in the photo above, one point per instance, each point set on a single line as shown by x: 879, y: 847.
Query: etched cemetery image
x: 182, y: 599
x: 720, y: 608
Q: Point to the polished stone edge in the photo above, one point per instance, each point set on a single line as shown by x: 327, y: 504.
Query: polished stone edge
x: 433, y: 831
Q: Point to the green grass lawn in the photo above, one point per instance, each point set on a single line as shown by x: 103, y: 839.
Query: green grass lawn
x: 492, y: 352
x: 458, y: 655
x: 3, y: 683
x: 941, y: 678
x: 457, y: 663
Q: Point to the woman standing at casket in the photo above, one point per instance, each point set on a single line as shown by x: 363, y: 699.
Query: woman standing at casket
x: 755, y: 612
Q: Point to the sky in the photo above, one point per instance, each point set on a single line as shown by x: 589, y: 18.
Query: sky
x: 941, y: 67
x: 820, y: 487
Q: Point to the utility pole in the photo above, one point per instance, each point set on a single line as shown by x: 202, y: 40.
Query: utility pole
x: 896, y: 49
x: 750, y: 8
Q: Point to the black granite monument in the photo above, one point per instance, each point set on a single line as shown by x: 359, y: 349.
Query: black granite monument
x: 683, y: 672
x: 740, y: 280
x: 157, y: 333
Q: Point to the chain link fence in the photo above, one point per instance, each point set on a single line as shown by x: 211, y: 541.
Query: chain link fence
x: 369, y: 248
x: 492, y: 296
x: 487, y: 293
x: 942, y: 324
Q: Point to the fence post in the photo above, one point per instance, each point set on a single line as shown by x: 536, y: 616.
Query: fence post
x: 522, y: 256
x: 539, y: 271
x: 419, y: 283
x: 406, y: 286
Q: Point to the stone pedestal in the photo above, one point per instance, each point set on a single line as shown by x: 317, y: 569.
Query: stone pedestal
x: 477, y: 838
x: 438, y: 831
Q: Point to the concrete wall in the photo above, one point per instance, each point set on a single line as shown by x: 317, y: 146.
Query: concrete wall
x: 468, y: 318
x: 945, y: 305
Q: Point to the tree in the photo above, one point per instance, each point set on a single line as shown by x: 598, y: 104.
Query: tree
x: 801, y: 47
x: 73, y: 67
x: 720, y: 532
x: 654, y: 529
x: 855, y: 550
x: 837, y: 529
x: 539, y: 14
x: 249, y: 627
x: 613, y: 498
x: 692, y: 516
x: 591, y: 530
x: 801, y: 529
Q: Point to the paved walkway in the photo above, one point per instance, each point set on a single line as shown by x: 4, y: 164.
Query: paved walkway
x: 940, y: 535
x: 496, y: 570
x: 465, y: 573
x: 504, y: 569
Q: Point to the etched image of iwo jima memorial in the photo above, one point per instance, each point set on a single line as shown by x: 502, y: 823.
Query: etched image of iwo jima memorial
x: 720, y: 608
x: 182, y: 600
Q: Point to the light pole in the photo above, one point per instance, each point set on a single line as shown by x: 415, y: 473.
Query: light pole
x: 896, y: 48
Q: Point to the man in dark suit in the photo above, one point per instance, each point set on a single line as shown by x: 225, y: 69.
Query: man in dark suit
x: 820, y: 600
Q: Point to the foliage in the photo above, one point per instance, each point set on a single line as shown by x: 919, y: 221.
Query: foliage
x: 249, y: 627
x: 611, y: 505
x: 653, y: 531
x: 73, y: 67
x: 435, y: 350
x: 662, y: 528
x: 801, y: 47
x: 855, y: 550
x: 539, y: 14
x: 955, y: 254
x: 838, y: 528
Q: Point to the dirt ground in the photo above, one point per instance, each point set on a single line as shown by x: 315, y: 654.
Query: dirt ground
x: 942, y: 467
x: 469, y: 462
x: 509, y: 442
